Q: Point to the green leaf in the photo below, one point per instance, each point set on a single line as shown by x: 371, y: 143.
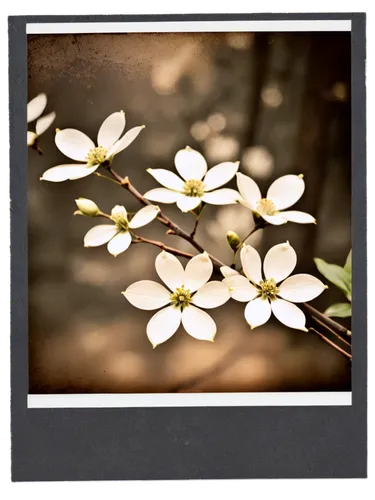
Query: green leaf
x: 336, y: 275
x: 348, y: 264
x: 342, y: 310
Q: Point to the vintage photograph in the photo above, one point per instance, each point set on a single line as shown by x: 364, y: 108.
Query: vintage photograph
x: 189, y: 212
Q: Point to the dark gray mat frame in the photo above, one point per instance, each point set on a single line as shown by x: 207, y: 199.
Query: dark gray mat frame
x: 183, y: 443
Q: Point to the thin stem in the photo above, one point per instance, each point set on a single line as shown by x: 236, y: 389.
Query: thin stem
x: 197, y: 219
x: 160, y: 244
x: 108, y: 178
x: 341, y: 330
x: 344, y: 353
x: 173, y: 228
x: 330, y: 330
x: 255, y: 228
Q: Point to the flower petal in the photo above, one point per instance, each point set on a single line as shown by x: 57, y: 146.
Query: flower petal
x: 36, y: 107
x: 167, y: 179
x: 162, y: 195
x: 212, y: 294
x: 257, y: 312
x: 187, y: 203
x: 301, y: 288
x: 125, y: 141
x: 275, y: 220
x: 289, y: 314
x: 31, y: 136
x: 249, y: 190
x: 119, y: 243
x: 299, y: 217
x: 198, y: 323
x: 73, y: 143
x: 119, y: 212
x: 224, y: 196
x: 163, y: 325
x: 67, y: 172
x: 198, y: 271
x: 286, y: 191
x: 111, y: 129
x: 99, y: 235
x: 43, y: 123
x: 279, y: 262
x: 190, y: 164
x: 144, y: 216
x: 227, y: 271
x: 147, y: 295
x: 251, y: 263
x: 220, y: 174
x: 170, y: 270
x: 240, y: 288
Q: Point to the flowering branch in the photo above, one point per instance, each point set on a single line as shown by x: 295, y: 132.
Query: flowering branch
x: 125, y: 183
x: 176, y: 230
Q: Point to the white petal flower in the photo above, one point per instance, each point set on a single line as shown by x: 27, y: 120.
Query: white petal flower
x: 283, y: 193
x: 34, y: 109
x: 117, y: 235
x: 266, y: 295
x: 77, y: 146
x: 189, y: 289
x: 67, y: 172
x: 147, y: 295
x: 144, y: 216
x: 198, y: 324
x: 196, y: 186
x: 163, y: 325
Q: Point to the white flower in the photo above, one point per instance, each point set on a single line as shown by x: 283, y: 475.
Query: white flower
x: 196, y: 185
x: 34, y: 109
x: 117, y: 235
x: 266, y: 295
x: 77, y: 146
x: 283, y: 193
x: 187, y: 289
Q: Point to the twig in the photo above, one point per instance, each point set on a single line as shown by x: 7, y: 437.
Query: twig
x: 332, y: 331
x: 160, y: 244
x: 344, y: 353
x: 330, y: 323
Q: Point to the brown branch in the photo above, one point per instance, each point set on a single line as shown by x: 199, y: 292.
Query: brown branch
x: 344, y: 353
x: 331, y: 331
x: 330, y: 323
x: 160, y: 244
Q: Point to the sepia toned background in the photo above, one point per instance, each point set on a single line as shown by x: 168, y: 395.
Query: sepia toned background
x: 279, y: 103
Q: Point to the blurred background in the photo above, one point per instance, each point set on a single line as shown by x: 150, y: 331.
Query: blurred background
x: 279, y: 103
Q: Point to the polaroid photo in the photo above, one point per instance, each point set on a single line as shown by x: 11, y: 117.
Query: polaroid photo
x: 187, y: 209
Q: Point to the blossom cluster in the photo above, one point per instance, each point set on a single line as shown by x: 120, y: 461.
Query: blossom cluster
x: 187, y: 292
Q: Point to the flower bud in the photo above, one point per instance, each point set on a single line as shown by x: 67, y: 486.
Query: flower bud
x: 233, y: 240
x: 87, y: 207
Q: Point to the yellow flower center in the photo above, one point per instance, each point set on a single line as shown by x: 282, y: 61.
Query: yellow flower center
x: 268, y: 289
x: 97, y: 156
x: 266, y: 207
x: 181, y: 298
x: 194, y: 188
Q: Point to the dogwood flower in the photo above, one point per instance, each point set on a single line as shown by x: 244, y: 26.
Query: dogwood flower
x: 77, y: 146
x: 283, y: 193
x: 275, y: 292
x: 34, y: 109
x: 189, y: 290
x: 196, y: 185
x: 117, y: 235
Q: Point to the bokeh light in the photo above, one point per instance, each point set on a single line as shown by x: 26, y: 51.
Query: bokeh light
x: 257, y: 161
